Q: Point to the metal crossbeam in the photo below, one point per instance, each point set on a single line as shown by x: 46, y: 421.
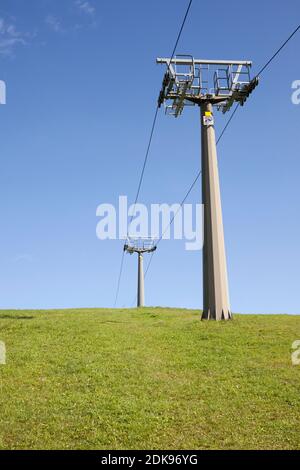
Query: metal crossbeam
x: 163, y: 60
x: 139, y: 245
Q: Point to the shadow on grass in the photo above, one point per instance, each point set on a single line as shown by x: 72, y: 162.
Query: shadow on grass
x: 11, y: 317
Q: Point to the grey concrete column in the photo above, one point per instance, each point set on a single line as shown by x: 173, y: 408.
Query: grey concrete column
x: 215, y: 283
x: 141, y: 287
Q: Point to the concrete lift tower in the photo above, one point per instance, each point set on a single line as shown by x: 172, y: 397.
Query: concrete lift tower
x: 208, y: 84
x: 140, y: 246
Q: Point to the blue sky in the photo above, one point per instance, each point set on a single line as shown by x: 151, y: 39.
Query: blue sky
x: 82, y: 84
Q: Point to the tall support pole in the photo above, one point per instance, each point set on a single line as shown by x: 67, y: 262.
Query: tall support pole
x: 215, y: 283
x: 141, y: 287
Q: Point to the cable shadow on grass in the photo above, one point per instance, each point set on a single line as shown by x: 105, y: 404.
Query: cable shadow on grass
x: 11, y: 317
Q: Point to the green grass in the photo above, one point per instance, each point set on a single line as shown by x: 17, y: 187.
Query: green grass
x: 148, y: 379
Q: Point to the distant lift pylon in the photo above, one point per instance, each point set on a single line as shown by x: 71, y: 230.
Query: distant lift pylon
x: 140, y: 246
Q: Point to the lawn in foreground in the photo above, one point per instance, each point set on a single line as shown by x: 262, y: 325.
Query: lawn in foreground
x: 148, y: 379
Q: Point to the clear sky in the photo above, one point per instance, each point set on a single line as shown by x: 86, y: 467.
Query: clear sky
x: 82, y: 84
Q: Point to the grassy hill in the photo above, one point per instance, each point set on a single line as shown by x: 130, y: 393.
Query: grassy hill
x: 148, y: 379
